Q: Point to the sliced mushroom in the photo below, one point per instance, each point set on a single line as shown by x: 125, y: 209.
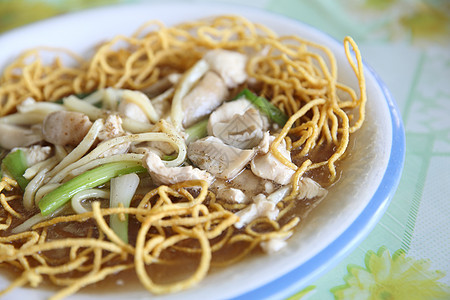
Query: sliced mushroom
x: 219, y: 159
x: 206, y: 96
x: 269, y: 167
x: 230, y: 65
x: 15, y: 136
x: 169, y: 175
x: 238, y: 123
x: 65, y: 127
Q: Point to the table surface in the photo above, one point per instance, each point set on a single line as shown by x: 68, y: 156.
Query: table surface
x: 407, y: 42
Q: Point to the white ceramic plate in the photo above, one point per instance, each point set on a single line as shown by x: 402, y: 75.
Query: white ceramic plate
x: 332, y: 230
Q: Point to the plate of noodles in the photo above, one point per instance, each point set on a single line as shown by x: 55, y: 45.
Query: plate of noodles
x: 225, y: 152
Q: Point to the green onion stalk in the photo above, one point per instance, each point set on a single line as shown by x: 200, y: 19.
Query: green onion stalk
x: 267, y: 108
x: 89, y: 179
x: 16, y: 164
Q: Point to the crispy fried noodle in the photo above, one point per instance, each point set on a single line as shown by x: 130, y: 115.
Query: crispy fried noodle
x: 177, y: 148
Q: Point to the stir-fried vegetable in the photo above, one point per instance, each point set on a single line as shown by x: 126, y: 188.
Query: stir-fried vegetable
x: 169, y: 157
x: 79, y: 96
x: 197, y: 131
x: 267, y: 108
x: 16, y: 164
x: 122, y: 192
x: 92, y: 178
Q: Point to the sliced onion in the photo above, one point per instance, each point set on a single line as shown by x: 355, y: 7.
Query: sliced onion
x: 76, y: 200
x: 122, y: 192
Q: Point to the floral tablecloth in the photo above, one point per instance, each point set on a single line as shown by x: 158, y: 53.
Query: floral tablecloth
x: 407, y: 42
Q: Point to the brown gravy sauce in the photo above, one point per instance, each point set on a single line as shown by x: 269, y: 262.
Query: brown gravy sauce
x: 162, y: 274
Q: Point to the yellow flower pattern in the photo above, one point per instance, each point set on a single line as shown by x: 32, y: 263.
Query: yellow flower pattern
x: 392, y: 278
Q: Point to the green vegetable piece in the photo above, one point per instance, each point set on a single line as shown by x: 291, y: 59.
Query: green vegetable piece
x: 267, y: 108
x: 122, y: 192
x: 169, y: 157
x: 16, y: 164
x: 89, y: 179
x: 197, y: 131
x: 119, y: 227
x: 79, y: 96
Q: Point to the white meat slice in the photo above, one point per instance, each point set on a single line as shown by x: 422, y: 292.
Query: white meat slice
x: 264, y: 145
x: 219, y: 159
x: 269, y: 167
x: 238, y: 123
x: 162, y: 85
x: 35, y: 153
x: 269, y: 186
x: 242, y: 131
x: 65, y: 127
x: 309, y: 189
x: 111, y: 129
x: 206, y: 96
x: 261, y: 207
x: 226, y: 111
x: 278, y: 195
x: 273, y: 245
x: 231, y: 195
x: 169, y: 175
x: 247, y: 182
x: 15, y: 136
x: 230, y: 65
x: 132, y: 111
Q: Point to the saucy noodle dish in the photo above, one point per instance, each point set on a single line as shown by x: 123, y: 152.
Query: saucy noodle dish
x: 176, y: 150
